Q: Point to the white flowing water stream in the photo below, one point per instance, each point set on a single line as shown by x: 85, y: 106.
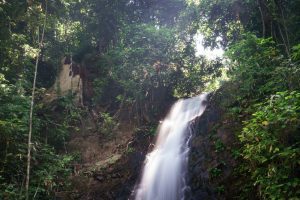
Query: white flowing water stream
x: 164, y: 172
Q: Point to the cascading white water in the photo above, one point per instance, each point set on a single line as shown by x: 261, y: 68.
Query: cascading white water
x: 163, y: 175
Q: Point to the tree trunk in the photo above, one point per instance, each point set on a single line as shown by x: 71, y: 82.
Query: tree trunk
x: 284, y: 42
x: 262, y: 18
x: 285, y: 30
x: 31, y: 106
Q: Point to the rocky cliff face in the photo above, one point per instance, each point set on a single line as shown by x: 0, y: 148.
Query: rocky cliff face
x: 68, y: 82
x: 212, y: 161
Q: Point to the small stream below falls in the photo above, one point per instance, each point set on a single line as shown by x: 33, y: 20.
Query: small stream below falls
x: 164, y: 172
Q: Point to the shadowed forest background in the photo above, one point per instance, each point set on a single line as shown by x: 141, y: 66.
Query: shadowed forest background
x: 127, y: 62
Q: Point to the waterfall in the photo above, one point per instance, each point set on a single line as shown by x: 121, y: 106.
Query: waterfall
x: 163, y: 176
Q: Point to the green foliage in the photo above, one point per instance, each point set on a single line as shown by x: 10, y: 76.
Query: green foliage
x: 220, y: 189
x: 271, y: 146
x: 215, y: 172
x: 57, y: 126
x: 296, y: 52
x: 152, y: 130
x: 49, y: 169
x: 148, y: 65
x: 20, y: 29
x: 219, y: 146
x: 49, y: 172
x: 235, y: 153
x: 100, y: 84
x: 130, y: 150
x: 258, y: 68
x: 262, y: 57
x: 13, y: 131
x: 143, y: 58
x: 222, y: 22
x: 108, y: 125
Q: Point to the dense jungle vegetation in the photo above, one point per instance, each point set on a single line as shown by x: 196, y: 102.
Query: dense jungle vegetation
x: 141, y: 55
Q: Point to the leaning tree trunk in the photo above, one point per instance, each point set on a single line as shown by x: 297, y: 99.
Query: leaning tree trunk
x: 40, y: 45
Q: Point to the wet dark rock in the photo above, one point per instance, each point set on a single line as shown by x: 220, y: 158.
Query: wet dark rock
x: 201, y: 195
x: 208, y: 167
x: 100, y: 178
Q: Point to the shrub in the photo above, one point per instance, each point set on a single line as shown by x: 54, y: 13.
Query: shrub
x: 271, y: 149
